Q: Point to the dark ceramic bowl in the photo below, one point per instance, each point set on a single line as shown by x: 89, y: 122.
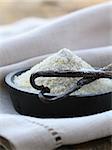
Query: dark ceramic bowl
x: 28, y: 103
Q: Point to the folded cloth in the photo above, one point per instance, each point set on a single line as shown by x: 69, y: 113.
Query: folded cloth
x: 21, y: 26
x: 88, y: 33
x: 88, y: 28
x: 28, y: 133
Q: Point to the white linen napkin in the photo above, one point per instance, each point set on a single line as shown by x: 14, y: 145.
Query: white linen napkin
x: 88, y: 33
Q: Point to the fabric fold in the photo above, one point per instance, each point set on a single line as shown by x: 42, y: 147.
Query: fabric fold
x: 84, y: 29
x: 24, y: 134
x: 31, y: 133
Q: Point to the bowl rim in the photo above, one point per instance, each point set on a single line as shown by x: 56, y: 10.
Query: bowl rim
x: 9, y: 81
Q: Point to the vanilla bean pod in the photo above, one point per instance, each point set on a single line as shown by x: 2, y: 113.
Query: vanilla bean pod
x: 74, y: 88
x: 67, y: 73
x: 88, y: 77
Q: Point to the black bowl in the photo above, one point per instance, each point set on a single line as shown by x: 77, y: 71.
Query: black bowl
x: 28, y: 103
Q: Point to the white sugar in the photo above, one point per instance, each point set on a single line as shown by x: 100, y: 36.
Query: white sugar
x: 63, y: 60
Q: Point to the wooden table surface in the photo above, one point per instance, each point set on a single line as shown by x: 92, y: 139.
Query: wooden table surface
x: 12, y: 10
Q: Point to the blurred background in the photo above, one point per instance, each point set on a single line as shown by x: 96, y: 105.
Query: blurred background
x: 12, y: 10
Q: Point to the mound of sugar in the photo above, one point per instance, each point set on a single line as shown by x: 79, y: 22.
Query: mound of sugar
x: 63, y: 60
